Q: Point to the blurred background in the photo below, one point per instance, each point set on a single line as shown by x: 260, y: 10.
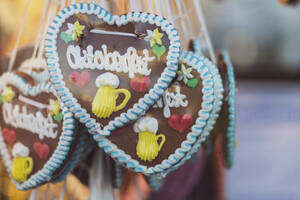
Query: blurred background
x: 263, y: 40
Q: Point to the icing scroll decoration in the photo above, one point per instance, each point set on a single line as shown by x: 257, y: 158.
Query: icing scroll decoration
x: 148, y: 145
x: 104, y: 103
x: 154, y: 37
x: 130, y: 62
x: 22, y: 164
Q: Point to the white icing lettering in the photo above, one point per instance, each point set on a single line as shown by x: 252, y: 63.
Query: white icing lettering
x: 171, y: 100
x: 130, y: 62
x: 37, y: 124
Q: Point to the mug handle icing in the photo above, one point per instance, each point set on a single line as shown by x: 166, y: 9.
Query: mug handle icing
x: 126, y: 99
x: 28, y: 168
x: 163, y: 139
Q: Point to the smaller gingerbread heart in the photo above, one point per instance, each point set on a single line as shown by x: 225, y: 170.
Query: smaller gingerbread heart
x: 39, y: 136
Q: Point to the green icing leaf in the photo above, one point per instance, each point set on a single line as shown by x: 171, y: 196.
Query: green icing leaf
x: 66, y: 37
x: 1, y: 99
x: 192, y: 83
x: 58, y: 117
x: 158, y: 50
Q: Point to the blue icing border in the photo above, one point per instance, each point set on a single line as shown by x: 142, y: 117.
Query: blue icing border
x: 179, y: 156
x: 81, y: 148
x: 144, y: 103
x: 231, y: 133
x: 218, y: 91
x: 65, y: 140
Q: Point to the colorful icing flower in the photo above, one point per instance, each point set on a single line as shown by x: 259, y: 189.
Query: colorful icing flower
x: 75, y: 30
x: 154, y: 37
x: 54, y: 107
x: 185, y: 74
x: 7, y: 94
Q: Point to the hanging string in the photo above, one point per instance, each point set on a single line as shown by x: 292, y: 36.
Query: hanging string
x: 46, y: 191
x: 150, y: 6
x: 51, y: 14
x: 187, y: 17
x: 40, y: 28
x: 62, y: 4
x: 158, y: 7
x: 182, y: 21
x: 34, y: 194
x: 137, y: 187
x: 63, y: 191
x: 204, y: 30
x: 14, y: 51
x: 170, y: 14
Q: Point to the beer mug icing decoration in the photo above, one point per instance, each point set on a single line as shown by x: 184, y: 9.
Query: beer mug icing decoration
x: 38, y: 136
x: 174, y: 127
x: 148, y: 142
x: 104, y: 103
x: 107, y: 69
x: 22, y: 164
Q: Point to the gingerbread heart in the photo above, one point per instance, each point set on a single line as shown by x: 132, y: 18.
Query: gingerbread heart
x: 170, y: 131
x: 228, y: 109
x: 115, y: 51
x: 38, y: 147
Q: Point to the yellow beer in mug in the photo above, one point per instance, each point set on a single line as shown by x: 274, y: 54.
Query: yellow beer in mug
x: 147, y: 148
x: 21, y: 168
x: 149, y: 144
x: 104, y: 103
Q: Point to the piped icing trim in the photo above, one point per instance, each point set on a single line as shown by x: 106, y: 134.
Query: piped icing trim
x: 231, y: 133
x: 81, y: 148
x: 201, y: 65
x: 144, y: 103
x: 190, y: 58
x: 65, y: 140
x: 30, y: 64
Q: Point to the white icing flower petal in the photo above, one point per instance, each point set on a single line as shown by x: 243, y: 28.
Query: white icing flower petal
x: 146, y: 124
x: 20, y: 149
x: 108, y: 79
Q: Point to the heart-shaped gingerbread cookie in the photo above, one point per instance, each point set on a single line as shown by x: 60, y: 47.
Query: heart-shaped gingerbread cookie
x: 168, y: 133
x: 35, y: 147
x: 129, y: 62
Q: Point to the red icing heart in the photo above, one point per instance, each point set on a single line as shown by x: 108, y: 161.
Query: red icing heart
x: 180, y: 123
x: 140, y: 84
x: 9, y: 136
x: 80, y: 79
x: 41, y: 149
